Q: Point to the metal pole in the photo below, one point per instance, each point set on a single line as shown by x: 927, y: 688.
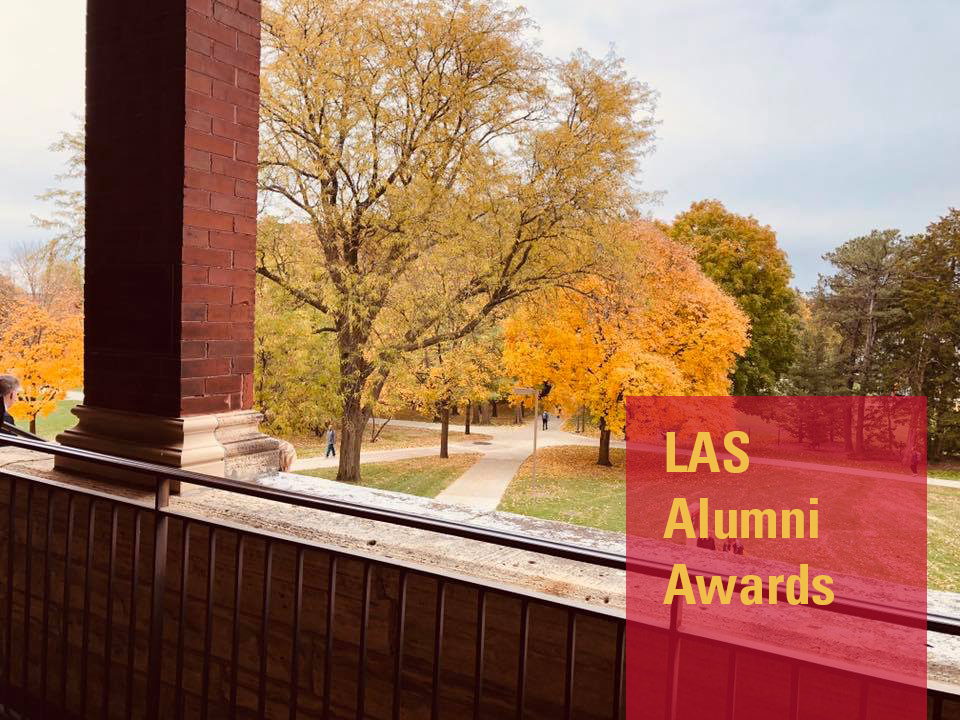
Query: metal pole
x: 536, y: 419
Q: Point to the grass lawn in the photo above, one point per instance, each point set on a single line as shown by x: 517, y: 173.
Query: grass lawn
x: 56, y: 422
x: 949, y: 470
x: 393, y: 437
x: 943, y: 538
x: 425, y: 476
x: 572, y: 488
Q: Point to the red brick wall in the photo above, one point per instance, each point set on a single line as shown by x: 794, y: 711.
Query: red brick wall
x: 172, y: 99
x: 220, y: 204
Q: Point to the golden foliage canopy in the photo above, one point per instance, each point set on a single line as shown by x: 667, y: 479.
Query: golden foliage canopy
x: 650, y: 324
x: 46, y: 353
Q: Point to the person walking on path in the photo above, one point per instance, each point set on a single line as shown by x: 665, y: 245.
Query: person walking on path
x: 914, y: 460
x: 331, y: 439
x: 546, y: 417
x: 9, y: 389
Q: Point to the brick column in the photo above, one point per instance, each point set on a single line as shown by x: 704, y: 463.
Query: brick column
x: 171, y: 169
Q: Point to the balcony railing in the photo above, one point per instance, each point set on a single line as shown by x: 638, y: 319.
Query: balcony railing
x: 120, y: 605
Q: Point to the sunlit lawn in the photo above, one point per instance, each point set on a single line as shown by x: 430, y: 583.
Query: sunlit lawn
x: 392, y: 437
x: 571, y: 487
x: 946, y: 470
x: 56, y: 422
x: 425, y: 476
x: 943, y: 538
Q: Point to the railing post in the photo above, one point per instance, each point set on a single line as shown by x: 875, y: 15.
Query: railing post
x: 673, y: 657
x: 157, y: 597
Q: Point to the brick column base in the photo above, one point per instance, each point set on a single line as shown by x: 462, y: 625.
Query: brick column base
x: 225, y: 444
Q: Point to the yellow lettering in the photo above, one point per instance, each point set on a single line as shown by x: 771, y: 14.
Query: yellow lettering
x: 680, y: 577
x: 758, y: 522
x: 772, y: 595
x: 797, y: 516
x: 814, y: 514
x: 685, y: 522
x: 728, y: 465
x: 720, y: 531
x: 703, y: 442
x: 803, y: 580
x: 752, y: 595
x: 725, y: 592
x: 672, y: 454
x: 822, y: 583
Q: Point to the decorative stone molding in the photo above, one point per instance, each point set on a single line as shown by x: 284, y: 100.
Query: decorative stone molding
x: 225, y: 445
x: 247, y: 452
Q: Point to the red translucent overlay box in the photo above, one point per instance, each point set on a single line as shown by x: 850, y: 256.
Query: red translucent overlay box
x: 777, y: 558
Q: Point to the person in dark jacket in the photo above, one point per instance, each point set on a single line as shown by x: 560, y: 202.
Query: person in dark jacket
x: 331, y: 440
x: 9, y: 390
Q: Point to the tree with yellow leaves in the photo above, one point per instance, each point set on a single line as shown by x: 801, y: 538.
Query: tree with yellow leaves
x: 449, y: 375
x: 46, y: 354
x: 442, y: 167
x: 649, y: 323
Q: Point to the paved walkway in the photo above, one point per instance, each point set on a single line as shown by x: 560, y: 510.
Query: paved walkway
x: 943, y: 482
x: 484, y: 483
x: 482, y: 486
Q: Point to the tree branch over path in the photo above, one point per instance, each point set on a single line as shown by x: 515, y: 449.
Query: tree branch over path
x: 436, y: 169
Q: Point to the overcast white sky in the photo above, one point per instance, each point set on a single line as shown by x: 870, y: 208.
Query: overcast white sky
x: 823, y: 118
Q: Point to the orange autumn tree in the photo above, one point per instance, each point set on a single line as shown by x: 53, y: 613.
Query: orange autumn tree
x: 648, y: 323
x: 46, y: 353
x: 447, y: 376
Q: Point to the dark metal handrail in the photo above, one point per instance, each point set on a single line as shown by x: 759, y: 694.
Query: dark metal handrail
x: 7, y: 428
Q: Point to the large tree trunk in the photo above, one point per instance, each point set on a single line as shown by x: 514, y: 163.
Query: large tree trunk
x: 604, y: 458
x: 444, y: 431
x: 890, y: 437
x: 33, y: 425
x: 466, y: 418
x: 351, y: 439
x: 847, y: 427
x: 865, y: 371
x: 861, y: 411
x: 494, y: 408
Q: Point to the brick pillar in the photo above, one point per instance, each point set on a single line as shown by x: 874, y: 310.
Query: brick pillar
x: 171, y: 169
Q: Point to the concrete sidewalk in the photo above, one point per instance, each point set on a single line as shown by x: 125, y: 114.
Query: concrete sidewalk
x: 482, y: 486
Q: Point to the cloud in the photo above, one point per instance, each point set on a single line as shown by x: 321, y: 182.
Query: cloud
x: 823, y: 118
x: 42, y: 86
